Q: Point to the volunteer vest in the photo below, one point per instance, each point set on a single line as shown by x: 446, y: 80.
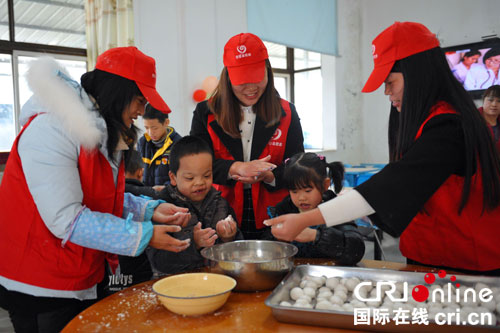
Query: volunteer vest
x: 261, y: 197
x: 31, y: 254
x: 439, y: 236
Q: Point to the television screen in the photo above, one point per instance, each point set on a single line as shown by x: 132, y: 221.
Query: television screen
x: 476, y: 66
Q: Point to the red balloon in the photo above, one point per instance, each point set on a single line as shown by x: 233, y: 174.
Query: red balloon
x: 199, y: 95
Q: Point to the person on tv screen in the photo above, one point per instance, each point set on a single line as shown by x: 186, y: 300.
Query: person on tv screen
x: 461, y: 69
x: 491, y: 112
x: 483, y: 76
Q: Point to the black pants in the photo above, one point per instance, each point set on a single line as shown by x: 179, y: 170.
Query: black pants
x: 33, y: 314
x: 248, y: 228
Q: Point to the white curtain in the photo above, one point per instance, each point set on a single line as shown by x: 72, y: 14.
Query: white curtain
x: 109, y: 23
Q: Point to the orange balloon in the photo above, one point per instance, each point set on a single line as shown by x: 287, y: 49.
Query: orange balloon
x: 209, y: 84
x: 199, y: 95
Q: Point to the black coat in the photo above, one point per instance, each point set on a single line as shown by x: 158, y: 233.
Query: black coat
x: 213, y: 209
x: 136, y: 187
x: 342, y: 243
x: 261, y: 136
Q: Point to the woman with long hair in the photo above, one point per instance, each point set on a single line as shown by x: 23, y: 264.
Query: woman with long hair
x: 441, y: 190
x: 63, y: 210
x: 251, y: 130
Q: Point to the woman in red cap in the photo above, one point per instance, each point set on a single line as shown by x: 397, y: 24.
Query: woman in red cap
x: 441, y: 153
x: 63, y: 211
x: 251, y: 131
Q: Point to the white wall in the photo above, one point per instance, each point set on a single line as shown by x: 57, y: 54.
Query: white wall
x: 187, y: 38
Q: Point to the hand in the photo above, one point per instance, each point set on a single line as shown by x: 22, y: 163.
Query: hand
x: 266, y: 176
x: 288, y: 227
x: 307, y: 235
x: 171, y: 214
x: 163, y: 241
x: 158, y: 188
x: 203, y: 237
x: 251, y: 169
x: 226, y: 229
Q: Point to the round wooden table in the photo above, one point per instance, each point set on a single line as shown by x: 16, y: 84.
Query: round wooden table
x: 136, y: 309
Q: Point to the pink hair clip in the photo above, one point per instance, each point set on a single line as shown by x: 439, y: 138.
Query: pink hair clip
x: 286, y: 161
x: 321, y: 157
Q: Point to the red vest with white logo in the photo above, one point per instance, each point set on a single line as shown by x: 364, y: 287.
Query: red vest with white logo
x: 261, y: 197
x: 31, y: 254
x: 439, y: 236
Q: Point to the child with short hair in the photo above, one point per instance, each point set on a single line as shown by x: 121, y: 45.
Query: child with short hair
x: 307, y: 180
x: 134, y: 170
x: 212, y: 219
x: 155, y: 146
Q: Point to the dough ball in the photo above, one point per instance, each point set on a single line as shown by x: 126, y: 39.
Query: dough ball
x: 285, y: 303
x: 309, y: 291
x: 341, y: 294
x: 351, y: 283
x: 332, y: 282
x: 340, y: 287
x: 325, y: 294
x: 336, y: 300
x: 295, y: 293
x: 324, y: 305
x: 322, y: 289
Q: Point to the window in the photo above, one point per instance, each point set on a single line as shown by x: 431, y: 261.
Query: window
x: 28, y: 29
x: 297, y: 76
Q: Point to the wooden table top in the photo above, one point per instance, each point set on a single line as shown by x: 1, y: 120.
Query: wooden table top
x: 136, y: 309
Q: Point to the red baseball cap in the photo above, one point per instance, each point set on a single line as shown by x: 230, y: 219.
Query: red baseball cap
x: 245, y: 59
x: 400, y: 40
x: 132, y: 64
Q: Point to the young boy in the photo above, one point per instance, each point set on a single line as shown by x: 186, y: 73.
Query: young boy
x: 134, y: 171
x: 212, y: 219
x: 155, y: 146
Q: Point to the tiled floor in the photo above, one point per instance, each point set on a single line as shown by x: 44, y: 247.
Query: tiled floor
x: 389, y: 245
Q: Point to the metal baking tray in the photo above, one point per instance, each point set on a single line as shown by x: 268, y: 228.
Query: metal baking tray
x: 344, y: 319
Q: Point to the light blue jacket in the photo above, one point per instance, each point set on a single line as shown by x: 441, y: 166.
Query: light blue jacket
x: 49, y: 150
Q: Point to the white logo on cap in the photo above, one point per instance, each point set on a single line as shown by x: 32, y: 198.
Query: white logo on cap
x: 375, y: 56
x: 241, y: 49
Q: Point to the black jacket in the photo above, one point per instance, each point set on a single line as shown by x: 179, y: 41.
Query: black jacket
x: 136, y: 187
x: 261, y: 136
x: 342, y: 243
x: 213, y: 209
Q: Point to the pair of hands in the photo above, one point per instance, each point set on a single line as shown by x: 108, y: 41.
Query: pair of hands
x: 254, y: 171
x: 173, y: 218
x: 206, y: 237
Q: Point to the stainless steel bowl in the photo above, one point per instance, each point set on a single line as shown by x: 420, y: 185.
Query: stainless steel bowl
x: 255, y: 264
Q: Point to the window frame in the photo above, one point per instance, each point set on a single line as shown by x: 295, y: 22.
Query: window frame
x: 14, y: 49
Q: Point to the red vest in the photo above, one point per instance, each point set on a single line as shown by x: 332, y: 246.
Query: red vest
x: 31, y: 254
x: 261, y: 197
x: 438, y: 236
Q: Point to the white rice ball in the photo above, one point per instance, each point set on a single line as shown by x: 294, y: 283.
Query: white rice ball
x: 309, y: 291
x: 341, y: 294
x: 336, y: 300
x: 296, y: 292
x: 285, y: 303
x: 323, y: 305
x: 332, y: 282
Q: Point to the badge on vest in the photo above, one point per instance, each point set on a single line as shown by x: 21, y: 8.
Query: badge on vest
x: 274, y: 139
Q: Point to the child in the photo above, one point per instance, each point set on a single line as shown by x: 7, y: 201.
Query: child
x: 155, y: 146
x: 308, y: 183
x: 134, y: 171
x: 212, y: 219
